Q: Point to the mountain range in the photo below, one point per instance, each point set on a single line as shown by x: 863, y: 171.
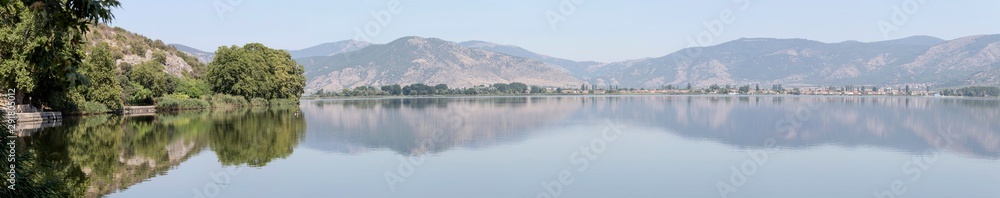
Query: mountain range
x: 918, y: 60
x: 325, y: 49
x: 410, y: 60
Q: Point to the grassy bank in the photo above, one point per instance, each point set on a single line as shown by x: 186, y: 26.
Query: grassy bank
x: 183, y: 102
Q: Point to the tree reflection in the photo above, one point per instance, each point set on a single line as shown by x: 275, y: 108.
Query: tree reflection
x: 99, y: 155
x: 258, y: 137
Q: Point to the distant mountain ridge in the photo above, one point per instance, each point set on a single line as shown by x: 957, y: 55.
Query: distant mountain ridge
x: 202, y: 56
x: 916, y: 60
x: 410, y: 60
x: 965, y: 61
x: 325, y: 49
x: 329, y: 49
x: 577, y: 68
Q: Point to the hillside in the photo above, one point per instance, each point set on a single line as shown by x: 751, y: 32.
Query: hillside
x: 135, y: 49
x: 411, y: 60
x: 916, y: 60
x: 329, y: 49
x: 577, y: 68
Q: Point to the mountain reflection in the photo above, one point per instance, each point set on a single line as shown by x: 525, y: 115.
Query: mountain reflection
x: 897, y: 123
x: 99, y: 155
x: 426, y: 125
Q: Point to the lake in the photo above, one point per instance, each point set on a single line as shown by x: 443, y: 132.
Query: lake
x: 539, y: 146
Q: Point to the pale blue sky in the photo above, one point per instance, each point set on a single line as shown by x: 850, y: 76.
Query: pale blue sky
x: 600, y: 30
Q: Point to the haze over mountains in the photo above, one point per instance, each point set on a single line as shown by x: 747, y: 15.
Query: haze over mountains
x: 918, y: 60
x: 410, y: 60
x: 325, y: 49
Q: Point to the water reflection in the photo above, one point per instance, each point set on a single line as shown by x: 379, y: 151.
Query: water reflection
x: 906, y: 124
x: 100, y: 155
x: 104, y: 154
x: 407, y: 125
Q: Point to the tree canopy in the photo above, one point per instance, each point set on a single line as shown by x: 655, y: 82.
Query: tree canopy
x: 255, y: 71
x: 41, y: 45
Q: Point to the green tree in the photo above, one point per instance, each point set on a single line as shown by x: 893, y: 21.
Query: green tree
x: 104, y: 86
x: 519, y: 88
x: 193, y: 87
x: 151, y: 76
x: 256, y: 71
x: 384, y: 88
x: 502, y: 88
x: 441, y: 88
x: 537, y: 89
x: 41, y: 45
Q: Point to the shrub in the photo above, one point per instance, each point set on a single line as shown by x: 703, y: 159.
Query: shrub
x: 283, y: 102
x: 177, y: 96
x: 223, y: 100
x: 91, y: 107
x: 193, y: 87
x: 174, y: 102
x: 138, y: 95
x: 258, y: 102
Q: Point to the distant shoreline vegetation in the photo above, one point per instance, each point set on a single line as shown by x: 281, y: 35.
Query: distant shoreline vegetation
x: 516, y: 88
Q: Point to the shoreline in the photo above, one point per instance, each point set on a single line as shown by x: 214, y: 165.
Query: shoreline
x: 628, y: 94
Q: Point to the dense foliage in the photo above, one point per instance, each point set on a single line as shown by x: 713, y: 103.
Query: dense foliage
x: 150, y: 75
x: 101, y: 88
x: 255, y: 71
x: 47, y: 58
x: 41, y: 45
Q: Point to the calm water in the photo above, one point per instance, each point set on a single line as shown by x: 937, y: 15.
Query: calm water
x: 627, y: 146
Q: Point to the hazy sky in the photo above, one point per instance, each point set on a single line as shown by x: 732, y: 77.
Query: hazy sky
x: 599, y: 30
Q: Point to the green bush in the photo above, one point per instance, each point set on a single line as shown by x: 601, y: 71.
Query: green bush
x: 223, y: 100
x: 179, y: 102
x: 283, y: 102
x: 138, y: 95
x: 258, y: 102
x: 193, y: 87
x: 91, y: 107
x: 177, y: 96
